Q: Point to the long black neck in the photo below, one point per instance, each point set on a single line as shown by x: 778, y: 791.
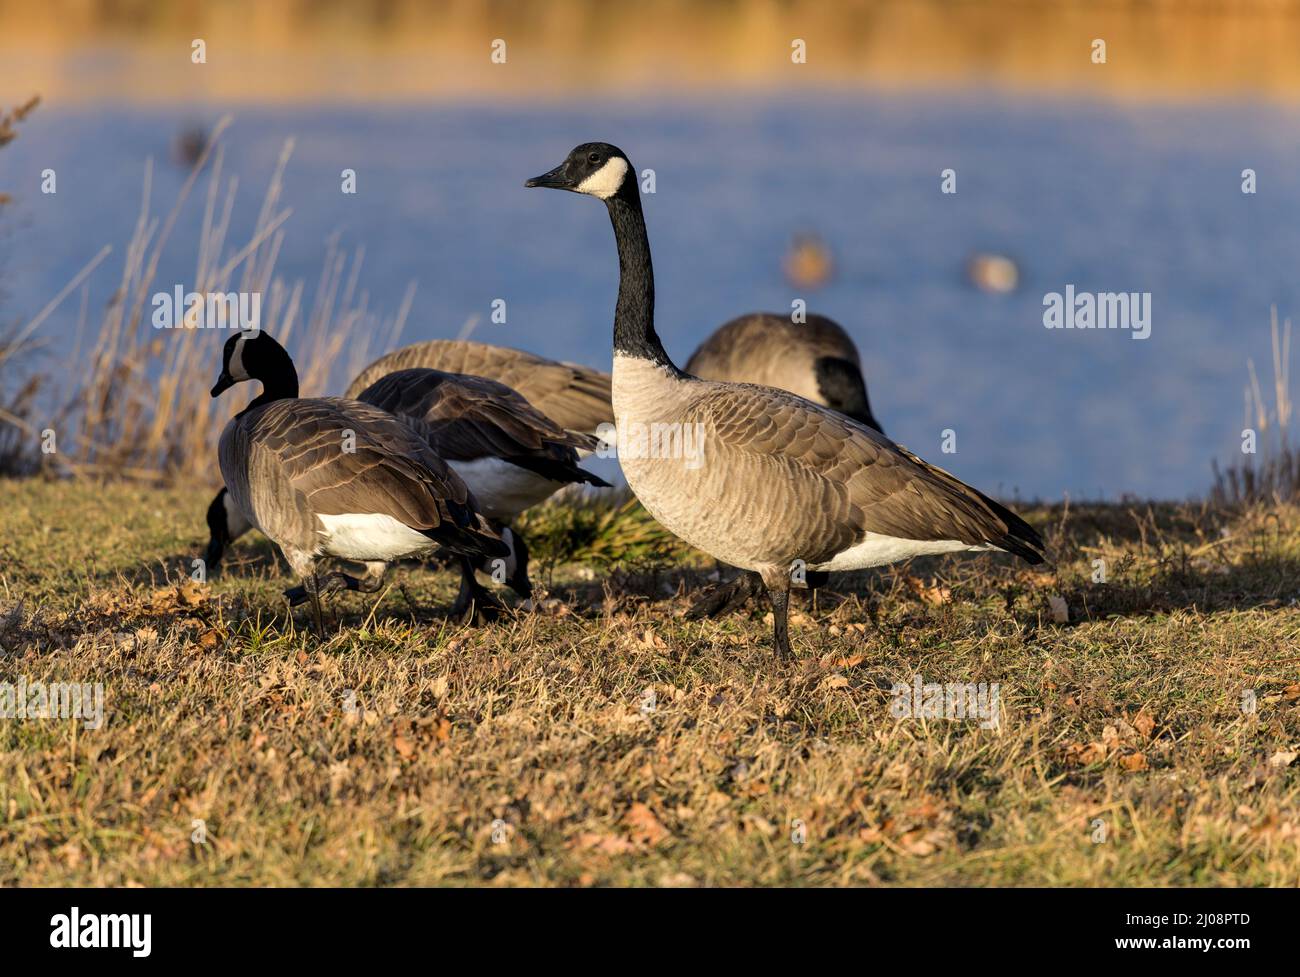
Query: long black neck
x: 279, y: 378
x: 634, y: 316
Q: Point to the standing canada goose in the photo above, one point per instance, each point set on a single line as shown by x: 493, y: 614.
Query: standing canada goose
x: 333, y: 477
x: 815, y: 359
x: 510, y: 454
x: 784, y: 484
x: 575, y: 397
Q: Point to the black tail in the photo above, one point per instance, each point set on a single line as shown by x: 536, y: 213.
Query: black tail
x: 468, y: 534
x: 557, y: 471
x: 1020, y: 538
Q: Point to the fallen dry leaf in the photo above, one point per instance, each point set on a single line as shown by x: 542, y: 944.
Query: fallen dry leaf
x: 1144, y: 724
x: 605, y: 844
x: 930, y: 594
x: 1134, y: 762
x: 643, y: 827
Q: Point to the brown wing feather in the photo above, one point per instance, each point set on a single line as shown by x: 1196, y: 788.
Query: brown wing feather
x: 473, y: 417
x: 838, y: 480
x: 575, y: 397
x: 296, y: 449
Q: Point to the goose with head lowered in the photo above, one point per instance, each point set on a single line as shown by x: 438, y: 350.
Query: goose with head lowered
x: 815, y: 359
x: 575, y: 397
x: 330, y: 477
x: 783, y: 484
x: 509, y: 454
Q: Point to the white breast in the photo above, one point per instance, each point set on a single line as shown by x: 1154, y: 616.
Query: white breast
x: 367, y: 536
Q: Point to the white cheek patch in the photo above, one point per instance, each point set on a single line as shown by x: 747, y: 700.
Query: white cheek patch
x: 236, y: 368
x: 605, y: 181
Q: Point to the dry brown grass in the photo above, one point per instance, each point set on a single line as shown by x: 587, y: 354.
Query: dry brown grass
x: 138, y: 409
x: 1270, y: 474
x: 387, y: 754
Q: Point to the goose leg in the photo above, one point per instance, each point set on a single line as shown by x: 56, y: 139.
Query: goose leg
x: 473, y: 601
x: 727, y: 597
x: 816, y: 579
x: 337, y: 580
x: 315, y: 607
x: 780, y: 598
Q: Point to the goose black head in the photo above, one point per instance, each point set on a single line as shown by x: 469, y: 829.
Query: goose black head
x: 218, y: 531
x: 594, y: 168
x: 253, y: 355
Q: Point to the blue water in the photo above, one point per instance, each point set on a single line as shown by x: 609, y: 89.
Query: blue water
x: 1107, y: 197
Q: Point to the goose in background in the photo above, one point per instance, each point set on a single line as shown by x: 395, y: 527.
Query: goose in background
x: 575, y: 397
x: 815, y: 359
x: 510, y: 454
x: 785, y: 484
x: 334, y: 477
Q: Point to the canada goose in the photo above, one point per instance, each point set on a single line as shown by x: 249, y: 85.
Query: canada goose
x: 575, y: 397
x: 334, y: 477
x: 511, y: 455
x: 783, y: 484
x: 815, y: 359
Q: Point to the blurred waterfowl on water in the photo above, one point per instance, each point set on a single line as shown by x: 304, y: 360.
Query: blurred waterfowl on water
x: 993, y: 273
x: 815, y: 359
x: 808, y: 262
x: 331, y: 477
x: 189, y: 145
x: 783, y: 485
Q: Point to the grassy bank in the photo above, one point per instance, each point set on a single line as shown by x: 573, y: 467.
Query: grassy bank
x: 409, y: 750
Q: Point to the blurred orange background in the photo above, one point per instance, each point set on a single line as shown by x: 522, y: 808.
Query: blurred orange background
x: 87, y: 50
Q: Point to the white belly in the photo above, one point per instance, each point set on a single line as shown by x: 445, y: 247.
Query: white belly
x: 370, y: 536
x: 876, y: 550
x: 501, y: 489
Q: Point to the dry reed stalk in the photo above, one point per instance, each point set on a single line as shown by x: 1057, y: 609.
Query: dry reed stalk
x: 139, y: 407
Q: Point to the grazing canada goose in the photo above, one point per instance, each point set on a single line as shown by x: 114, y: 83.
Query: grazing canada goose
x: 225, y: 525
x: 511, y: 455
x: 815, y: 359
x: 783, y: 484
x: 575, y: 397
x: 334, y: 477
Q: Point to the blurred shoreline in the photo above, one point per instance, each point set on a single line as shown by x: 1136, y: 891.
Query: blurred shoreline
x: 74, y: 51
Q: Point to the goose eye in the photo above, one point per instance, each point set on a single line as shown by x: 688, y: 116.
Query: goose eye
x: 594, y: 158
